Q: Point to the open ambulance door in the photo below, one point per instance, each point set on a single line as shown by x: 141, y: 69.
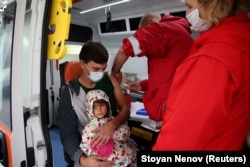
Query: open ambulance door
x: 12, y: 136
x: 24, y: 33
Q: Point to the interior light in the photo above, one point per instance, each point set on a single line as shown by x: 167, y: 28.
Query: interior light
x: 104, y: 6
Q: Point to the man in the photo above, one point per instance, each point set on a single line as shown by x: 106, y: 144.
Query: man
x: 72, y: 111
x: 165, y: 42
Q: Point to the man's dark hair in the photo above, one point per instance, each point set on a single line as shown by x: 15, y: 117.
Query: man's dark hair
x: 94, y: 51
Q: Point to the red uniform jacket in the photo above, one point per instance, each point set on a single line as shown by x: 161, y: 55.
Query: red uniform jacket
x: 166, y: 44
x: 209, y: 101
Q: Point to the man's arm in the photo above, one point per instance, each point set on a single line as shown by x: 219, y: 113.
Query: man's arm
x: 124, y: 112
x: 120, y: 59
x: 94, y: 161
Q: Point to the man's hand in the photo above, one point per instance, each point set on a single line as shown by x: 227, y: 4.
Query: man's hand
x: 104, y: 133
x: 94, y: 161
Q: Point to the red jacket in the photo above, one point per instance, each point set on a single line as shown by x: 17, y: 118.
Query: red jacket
x: 209, y: 101
x: 166, y: 44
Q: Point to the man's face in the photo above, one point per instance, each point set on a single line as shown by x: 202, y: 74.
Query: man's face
x: 94, y: 67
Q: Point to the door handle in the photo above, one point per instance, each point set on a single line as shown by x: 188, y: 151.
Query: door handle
x: 40, y: 145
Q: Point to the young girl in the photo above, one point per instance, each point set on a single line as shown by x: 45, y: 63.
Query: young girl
x: 119, y: 148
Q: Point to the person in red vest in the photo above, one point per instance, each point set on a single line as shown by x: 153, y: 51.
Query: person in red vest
x: 166, y: 43
x: 208, y: 103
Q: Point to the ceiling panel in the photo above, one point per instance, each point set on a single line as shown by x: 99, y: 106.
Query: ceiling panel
x: 133, y: 7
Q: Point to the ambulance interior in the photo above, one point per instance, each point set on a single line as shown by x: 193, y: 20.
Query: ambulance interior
x: 108, y: 24
x: 97, y: 25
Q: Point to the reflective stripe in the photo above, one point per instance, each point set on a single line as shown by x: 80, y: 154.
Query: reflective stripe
x: 135, y: 44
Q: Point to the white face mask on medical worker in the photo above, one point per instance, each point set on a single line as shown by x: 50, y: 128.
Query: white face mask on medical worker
x: 95, y: 76
x: 197, y: 24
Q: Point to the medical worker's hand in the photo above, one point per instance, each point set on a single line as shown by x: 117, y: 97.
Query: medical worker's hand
x: 134, y: 86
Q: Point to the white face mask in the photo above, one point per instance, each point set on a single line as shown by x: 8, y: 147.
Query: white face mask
x: 95, y: 76
x: 197, y: 24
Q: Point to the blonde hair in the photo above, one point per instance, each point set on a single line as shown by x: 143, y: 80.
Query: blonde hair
x: 145, y: 18
x: 216, y: 10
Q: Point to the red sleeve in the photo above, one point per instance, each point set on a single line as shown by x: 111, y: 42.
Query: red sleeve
x: 199, y: 98
x: 127, y: 47
x: 144, y: 84
x: 151, y: 40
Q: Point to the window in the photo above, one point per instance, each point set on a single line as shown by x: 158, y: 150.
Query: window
x: 180, y: 13
x: 134, y: 23
x: 7, y: 15
x: 116, y: 26
x: 79, y: 33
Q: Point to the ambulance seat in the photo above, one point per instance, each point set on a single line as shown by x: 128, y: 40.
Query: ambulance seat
x: 72, y: 70
x: 69, y: 71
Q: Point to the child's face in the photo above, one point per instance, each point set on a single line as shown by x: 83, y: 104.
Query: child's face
x: 100, y: 109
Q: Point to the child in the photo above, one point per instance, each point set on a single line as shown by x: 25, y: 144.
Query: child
x: 118, y: 149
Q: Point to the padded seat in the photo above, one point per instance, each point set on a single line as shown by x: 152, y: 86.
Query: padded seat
x: 72, y: 70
